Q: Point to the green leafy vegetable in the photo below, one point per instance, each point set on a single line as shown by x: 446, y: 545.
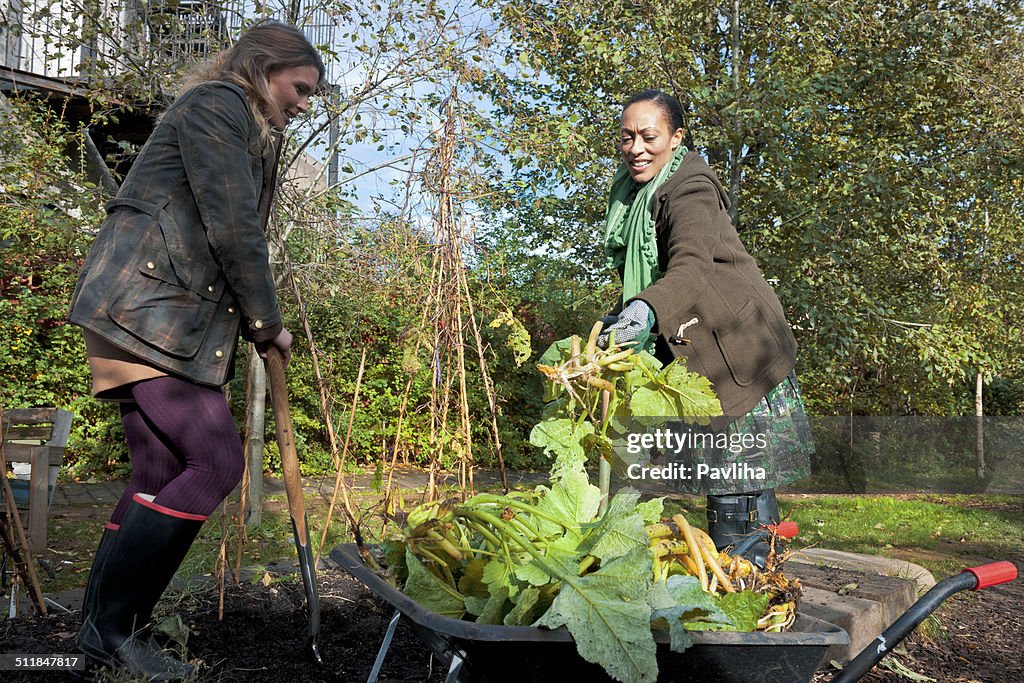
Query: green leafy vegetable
x: 430, y: 591
x: 609, y: 618
x: 550, y: 558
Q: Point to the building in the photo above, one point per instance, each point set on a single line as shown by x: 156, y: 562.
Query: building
x: 57, y: 40
x: 127, y: 51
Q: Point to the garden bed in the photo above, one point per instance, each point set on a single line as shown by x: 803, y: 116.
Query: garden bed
x: 262, y: 637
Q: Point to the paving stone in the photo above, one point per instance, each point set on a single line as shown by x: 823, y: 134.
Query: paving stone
x: 862, y: 619
x: 870, y: 564
x: 80, y: 498
x: 895, y: 595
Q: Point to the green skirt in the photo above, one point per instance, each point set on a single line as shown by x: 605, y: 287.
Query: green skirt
x: 766, y: 448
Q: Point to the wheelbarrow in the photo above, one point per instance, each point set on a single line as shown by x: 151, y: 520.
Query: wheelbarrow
x: 499, y: 654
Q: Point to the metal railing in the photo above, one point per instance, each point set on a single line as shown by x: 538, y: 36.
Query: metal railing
x: 88, y: 39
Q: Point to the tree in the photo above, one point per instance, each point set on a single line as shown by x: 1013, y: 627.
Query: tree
x: 864, y: 162
x: 46, y: 210
x: 388, y: 64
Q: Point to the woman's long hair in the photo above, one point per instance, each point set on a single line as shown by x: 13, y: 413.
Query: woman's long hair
x: 263, y: 49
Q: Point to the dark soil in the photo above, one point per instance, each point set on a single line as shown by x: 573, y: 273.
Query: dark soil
x: 262, y: 637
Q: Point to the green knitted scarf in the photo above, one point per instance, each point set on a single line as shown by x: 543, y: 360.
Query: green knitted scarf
x: 629, y: 239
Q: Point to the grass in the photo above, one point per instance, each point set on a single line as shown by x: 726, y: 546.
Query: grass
x: 981, y: 526
x: 943, y: 533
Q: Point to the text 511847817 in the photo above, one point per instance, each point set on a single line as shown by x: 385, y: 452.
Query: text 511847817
x: 41, y: 662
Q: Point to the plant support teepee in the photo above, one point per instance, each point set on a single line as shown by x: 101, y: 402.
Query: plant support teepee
x: 448, y: 320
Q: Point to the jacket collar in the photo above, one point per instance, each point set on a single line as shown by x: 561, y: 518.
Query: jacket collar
x: 693, y: 168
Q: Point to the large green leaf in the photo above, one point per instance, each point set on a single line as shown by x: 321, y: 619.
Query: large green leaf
x: 557, y: 353
x: 620, y: 537
x: 494, y: 607
x: 680, y: 604
x: 523, y: 612
x: 651, y: 510
x: 653, y: 401
x: 572, y: 500
x: 561, y: 553
x: 676, y: 393
x: 666, y: 615
x: 430, y: 591
x: 471, y: 583
x: 620, y: 529
x: 609, y: 618
x: 499, y: 573
x: 743, y: 608
x: 561, y: 437
x: 694, y: 396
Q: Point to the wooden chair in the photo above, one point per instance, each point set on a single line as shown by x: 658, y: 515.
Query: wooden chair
x: 37, y: 436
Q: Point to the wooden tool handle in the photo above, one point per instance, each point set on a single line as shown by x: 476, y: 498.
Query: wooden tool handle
x: 286, y: 441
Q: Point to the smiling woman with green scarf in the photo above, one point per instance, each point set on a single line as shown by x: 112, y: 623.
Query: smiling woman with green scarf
x: 629, y: 239
x: 691, y: 290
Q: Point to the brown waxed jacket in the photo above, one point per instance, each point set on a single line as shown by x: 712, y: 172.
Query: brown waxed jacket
x: 180, y: 266
x: 712, y: 305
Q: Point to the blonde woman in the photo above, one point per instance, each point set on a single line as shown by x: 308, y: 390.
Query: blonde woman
x: 178, y: 272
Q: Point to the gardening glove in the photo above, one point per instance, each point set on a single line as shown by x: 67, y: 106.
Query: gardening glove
x: 283, y: 342
x: 634, y: 324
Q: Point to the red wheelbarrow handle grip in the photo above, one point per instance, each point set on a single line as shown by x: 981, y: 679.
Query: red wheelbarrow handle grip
x: 993, y: 574
x: 787, y: 530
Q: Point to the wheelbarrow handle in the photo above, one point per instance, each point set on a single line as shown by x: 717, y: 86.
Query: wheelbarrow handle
x: 974, y: 578
x: 993, y: 574
x: 788, y: 530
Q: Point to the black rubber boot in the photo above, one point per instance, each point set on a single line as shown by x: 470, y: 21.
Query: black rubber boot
x: 767, y: 508
x: 125, y: 587
x: 107, y: 541
x: 732, y: 517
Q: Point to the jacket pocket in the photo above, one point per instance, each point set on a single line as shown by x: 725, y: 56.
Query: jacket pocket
x: 156, y: 309
x: 748, y: 345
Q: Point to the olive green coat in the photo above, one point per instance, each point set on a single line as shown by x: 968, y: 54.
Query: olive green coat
x: 712, y: 304
x: 180, y: 266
